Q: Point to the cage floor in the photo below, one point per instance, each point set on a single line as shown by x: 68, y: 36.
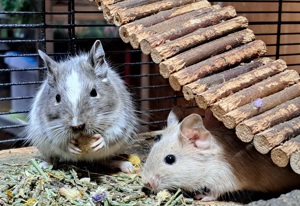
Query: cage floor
x: 19, y: 160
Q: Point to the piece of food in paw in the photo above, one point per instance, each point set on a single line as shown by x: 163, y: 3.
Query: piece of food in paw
x: 84, y: 143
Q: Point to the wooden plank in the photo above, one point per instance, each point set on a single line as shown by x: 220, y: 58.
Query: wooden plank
x: 109, y: 10
x: 129, y: 29
x: 262, y: 89
x: 125, y: 15
x: 201, y: 85
x: 284, y: 112
x: 265, y: 141
x: 166, y: 25
x: 233, y: 118
x: 281, y: 154
x: 217, y: 63
x: 295, y: 161
x: 202, y: 52
x: 212, y: 95
x: 179, y: 30
x: 200, y: 36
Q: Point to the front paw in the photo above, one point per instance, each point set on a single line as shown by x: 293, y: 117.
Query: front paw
x: 124, y: 166
x: 205, y: 197
x: 98, y: 144
x: 73, y: 147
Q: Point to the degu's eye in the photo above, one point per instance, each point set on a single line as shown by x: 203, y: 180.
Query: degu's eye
x: 93, y: 93
x: 170, y: 159
x: 58, y: 98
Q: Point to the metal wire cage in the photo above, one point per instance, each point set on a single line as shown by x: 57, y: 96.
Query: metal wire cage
x: 66, y: 27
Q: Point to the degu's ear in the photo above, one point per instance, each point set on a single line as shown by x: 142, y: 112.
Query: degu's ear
x: 175, y: 115
x: 193, y: 132
x: 49, y: 63
x: 96, y: 59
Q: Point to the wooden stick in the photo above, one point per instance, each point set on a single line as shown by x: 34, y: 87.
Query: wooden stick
x: 109, y: 10
x: 217, y: 63
x: 202, y: 35
x: 127, y: 30
x: 199, y: 21
x: 105, y: 3
x: 295, y: 161
x: 126, y: 15
x: 161, y: 27
x: 233, y: 118
x: 265, y: 141
x: 281, y: 154
x: 204, y: 51
x: 108, y: 2
x: 201, y: 85
x: 209, y: 97
x: 264, y: 88
x: 284, y: 112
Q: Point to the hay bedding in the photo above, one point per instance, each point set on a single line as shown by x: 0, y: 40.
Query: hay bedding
x: 28, y: 184
x: 24, y: 182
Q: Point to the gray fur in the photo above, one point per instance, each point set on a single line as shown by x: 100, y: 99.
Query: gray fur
x: 111, y: 114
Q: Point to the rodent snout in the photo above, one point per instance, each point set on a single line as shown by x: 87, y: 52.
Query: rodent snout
x: 152, y: 183
x: 78, y: 128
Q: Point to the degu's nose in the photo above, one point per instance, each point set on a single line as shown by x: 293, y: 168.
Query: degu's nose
x: 151, y: 183
x: 78, y: 127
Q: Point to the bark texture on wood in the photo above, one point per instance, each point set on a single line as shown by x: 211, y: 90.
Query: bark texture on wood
x: 264, y: 88
x: 127, y: 30
x: 108, y: 2
x: 166, y: 25
x: 233, y: 118
x: 265, y: 141
x: 284, y: 112
x: 295, y: 162
x: 109, y: 10
x: 217, y: 63
x: 201, y: 85
x: 126, y: 15
x: 205, y: 51
x: 212, y: 95
x: 281, y: 154
x: 198, y: 21
x: 202, y: 35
